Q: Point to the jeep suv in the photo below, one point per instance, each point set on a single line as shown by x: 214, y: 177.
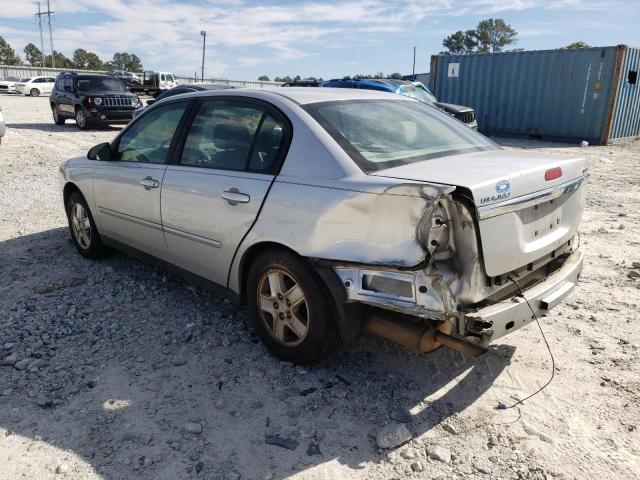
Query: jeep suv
x: 91, y: 99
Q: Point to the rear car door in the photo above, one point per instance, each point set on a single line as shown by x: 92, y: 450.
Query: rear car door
x: 127, y: 188
x: 212, y: 193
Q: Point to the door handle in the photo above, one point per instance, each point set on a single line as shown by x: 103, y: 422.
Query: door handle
x: 149, y: 183
x: 235, y: 196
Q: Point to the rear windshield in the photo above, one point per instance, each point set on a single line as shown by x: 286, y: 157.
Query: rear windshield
x: 380, y: 134
x: 106, y: 84
x: 418, y: 92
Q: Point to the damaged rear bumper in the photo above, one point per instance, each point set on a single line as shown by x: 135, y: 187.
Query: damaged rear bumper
x: 499, y: 319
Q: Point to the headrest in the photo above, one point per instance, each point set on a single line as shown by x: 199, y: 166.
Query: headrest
x: 231, y: 135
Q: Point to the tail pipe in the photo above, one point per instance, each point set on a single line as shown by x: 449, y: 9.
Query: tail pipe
x: 417, y: 337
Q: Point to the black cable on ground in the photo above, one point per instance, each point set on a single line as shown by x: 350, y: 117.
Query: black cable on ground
x: 502, y: 406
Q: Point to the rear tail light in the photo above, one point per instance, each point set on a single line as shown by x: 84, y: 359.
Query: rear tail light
x: 552, y: 174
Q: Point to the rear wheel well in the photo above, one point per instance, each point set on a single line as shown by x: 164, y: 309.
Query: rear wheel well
x: 248, y: 258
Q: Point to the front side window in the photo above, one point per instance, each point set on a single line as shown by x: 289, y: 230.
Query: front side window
x: 170, y: 77
x: 148, y: 140
x: 221, y: 135
x: 380, y: 134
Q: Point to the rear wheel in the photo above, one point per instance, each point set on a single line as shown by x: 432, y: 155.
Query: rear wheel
x: 84, y: 232
x: 57, y: 118
x: 81, y: 119
x: 293, y: 315
x: 34, y: 92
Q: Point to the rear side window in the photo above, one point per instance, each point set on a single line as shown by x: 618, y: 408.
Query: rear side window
x: 268, y: 143
x: 148, y: 140
x: 221, y: 135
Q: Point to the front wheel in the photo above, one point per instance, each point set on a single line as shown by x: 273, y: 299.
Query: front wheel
x: 84, y: 232
x: 81, y: 119
x: 57, y: 118
x: 291, y: 311
x: 35, y: 92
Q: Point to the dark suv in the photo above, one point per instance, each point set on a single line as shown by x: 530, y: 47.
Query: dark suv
x: 91, y: 99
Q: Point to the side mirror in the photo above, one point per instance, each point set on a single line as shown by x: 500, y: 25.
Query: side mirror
x: 102, y: 151
x: 151, y: 101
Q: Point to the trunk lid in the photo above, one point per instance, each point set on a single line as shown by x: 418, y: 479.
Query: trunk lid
x: 522, y: 216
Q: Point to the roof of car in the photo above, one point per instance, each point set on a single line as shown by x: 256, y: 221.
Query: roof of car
x: 304, y: 96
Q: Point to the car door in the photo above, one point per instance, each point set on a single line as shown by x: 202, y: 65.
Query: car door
x: 213, y: 191
x: 48, y: 84
x: 127, y: 188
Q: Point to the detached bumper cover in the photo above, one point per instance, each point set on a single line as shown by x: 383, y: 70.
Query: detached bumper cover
x: 509, y: 315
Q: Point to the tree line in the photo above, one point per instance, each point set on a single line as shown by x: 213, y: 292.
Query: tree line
x: 297, y: 78
x: 81, y: 59
x: 489, y: 36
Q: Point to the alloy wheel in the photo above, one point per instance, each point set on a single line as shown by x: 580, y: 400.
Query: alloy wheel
x: 35, y: 92
x: 81, y: 119
x: 81, y: 226
x: 283, y: 307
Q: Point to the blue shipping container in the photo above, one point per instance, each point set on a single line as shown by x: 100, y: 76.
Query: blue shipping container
x: 578, y: 94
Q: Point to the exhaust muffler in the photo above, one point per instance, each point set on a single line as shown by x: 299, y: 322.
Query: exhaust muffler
x: 417, y: 337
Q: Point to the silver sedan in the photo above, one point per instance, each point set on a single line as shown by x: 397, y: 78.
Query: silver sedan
x: 333, y: 212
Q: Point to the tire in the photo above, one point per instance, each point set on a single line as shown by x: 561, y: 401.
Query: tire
x: 302, y: 328
x: 82, y: 227
x: 81, y: 119
x: 57, y: 118
x: 34, y: 92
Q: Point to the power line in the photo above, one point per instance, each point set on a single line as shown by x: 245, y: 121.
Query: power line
x: 48, y: 14
x: 39, y: 15
x: 53, y: 56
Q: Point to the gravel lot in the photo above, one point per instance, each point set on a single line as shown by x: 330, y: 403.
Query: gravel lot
x: 114, y: 369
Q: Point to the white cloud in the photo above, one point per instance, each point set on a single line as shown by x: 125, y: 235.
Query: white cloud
x: 240, y: 34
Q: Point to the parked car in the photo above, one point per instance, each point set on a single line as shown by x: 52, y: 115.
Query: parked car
x: 180, y: 89
x: 8, y: 84
x: 303, y: 83
x: 333, y: 212
x: 411, y: 89
x: 35, y: 86
x: 128, y: 78
x: 3, y: 128
x: 154, y: 83
x: 91, y: 99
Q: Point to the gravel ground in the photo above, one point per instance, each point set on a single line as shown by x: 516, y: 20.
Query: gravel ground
x: 114, y: 369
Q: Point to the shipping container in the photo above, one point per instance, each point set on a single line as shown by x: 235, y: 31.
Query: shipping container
x: 587, y: 94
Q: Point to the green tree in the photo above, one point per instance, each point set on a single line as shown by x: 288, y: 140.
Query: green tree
x: 33, y: 55
x: 396, y: 76
x: 60, y: 61
x: 490, y: 35
x: 577, y: 45
x: 86, y: 60
x: 7, y: 54
x: 125, y: 61
x: 263, y: 78
x: 493, y: 35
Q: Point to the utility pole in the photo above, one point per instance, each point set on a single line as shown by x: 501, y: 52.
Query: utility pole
x: 204, y: 44
x: 39, y: 15
x: 53, y: 57
x: 414, y: 63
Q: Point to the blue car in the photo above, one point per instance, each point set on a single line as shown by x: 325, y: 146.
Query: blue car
x: 415, y: 90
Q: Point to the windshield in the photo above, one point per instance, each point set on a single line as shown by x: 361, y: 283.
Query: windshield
x: 418, y: 92
x: 380, y: 134
x: 170, y: 77
x: 107, y: 84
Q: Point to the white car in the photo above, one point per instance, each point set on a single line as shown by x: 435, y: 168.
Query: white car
x: 35, y: 86
x: 333, y: 212
x: 8, y: 84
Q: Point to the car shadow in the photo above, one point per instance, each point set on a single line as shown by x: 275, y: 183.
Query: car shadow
x: 142, y: 375
x: 67, y: 127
